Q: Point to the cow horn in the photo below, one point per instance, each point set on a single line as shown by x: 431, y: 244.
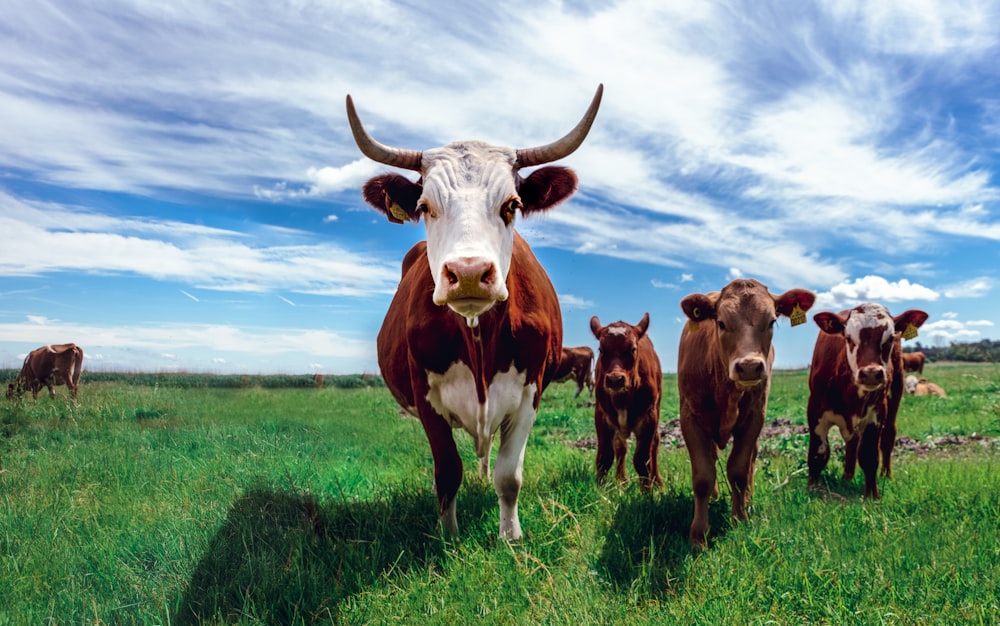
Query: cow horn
x: 397, y: 157
x: 565, y: 146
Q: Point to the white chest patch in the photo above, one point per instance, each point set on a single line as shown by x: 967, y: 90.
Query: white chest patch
x: 828, y: 420
x: 453, y: 396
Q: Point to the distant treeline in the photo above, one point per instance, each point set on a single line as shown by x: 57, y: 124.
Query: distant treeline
x: 226, y: 381
x: 985, y: 351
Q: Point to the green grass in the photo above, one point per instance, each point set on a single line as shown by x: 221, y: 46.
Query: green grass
x: 151, y: 503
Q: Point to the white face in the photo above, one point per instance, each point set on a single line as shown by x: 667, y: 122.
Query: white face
x: 468, y: 190
x: 871, y: 324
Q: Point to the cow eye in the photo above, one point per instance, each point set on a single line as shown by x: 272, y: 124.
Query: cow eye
x: 722, y: 325
x: 423, y: 207
x: 509, y: 209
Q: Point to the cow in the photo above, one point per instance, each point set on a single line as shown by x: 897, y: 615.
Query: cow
x: 473, y: 334
x: 923, y: 387
x: 628, y: 387
x: 914, y: 362
x: 49, y: 366
x: 856, y: 384
x: 576, y: 365
x: 723, y: 378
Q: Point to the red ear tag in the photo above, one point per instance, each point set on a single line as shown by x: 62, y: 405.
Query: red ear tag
x: 798, y: 316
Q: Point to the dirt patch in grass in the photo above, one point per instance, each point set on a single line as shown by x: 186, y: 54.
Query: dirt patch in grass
x: 670, y: 436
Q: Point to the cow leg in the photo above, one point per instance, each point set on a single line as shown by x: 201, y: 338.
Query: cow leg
x: 850, y: 457
x: 447, y: 466
x: 739, y: 470
x: 507, y: 477
x: 887, y: 442
x: 647, y: 446
x: 620, y: 444
x: 605, y: 446
x: 819, y: 456
x: 703, y: 454
x: 579, y: 387
x: 868, y: 460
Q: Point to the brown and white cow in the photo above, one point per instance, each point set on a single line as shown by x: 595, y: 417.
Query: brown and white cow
x: 723, y: 378
x: 576, y: 365
x: 856, y: 384
x: 49, y: 366
x: 914, y: 362
x: 629, y: 385
x: 474, y: 333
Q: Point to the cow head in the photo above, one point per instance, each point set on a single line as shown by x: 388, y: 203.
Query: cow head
x: 869, y: 333
x: 469, y: 193
x: 745, y: 313
x: 911, y: 383
x: 619, y: 353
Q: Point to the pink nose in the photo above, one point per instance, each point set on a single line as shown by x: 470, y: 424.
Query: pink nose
x: 749, y: 370
x: 470, y: 277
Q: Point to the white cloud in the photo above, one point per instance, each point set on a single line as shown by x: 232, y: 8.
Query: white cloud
x: 974, y: 323
x: 972, y: 288
x: 872, y: 289
x: 569, y: 301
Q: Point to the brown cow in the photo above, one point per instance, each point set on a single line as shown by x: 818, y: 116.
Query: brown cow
x: 923, y: 387
x: 49, y: 366
x: 576, y: 364
x: 856, y: 384
x: 914, y: 362
x: 474, y: 333
x: 723, y: 378
x: 629, y: 385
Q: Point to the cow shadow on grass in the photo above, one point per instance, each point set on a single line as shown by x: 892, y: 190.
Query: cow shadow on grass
x: 647, y: 542
x: 279, y: 557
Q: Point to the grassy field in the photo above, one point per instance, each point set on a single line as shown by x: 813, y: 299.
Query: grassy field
x: 148, y: 503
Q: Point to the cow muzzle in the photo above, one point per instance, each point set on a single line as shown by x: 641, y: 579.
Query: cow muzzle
x: 871, y: 377
x: 469, y: 286
x: 615, y: 382
x: 748, y: 371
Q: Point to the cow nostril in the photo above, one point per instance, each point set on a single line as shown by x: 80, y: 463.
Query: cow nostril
x: 488, y: 275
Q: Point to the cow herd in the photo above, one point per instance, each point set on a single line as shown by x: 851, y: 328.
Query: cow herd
x: 474, y: 335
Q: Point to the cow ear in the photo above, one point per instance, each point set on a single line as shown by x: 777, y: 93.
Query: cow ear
x: 830, y: 323
x: 546, y: 187
x: 698, y: 307
x: 788, y: 301
x: 643, y: 325
x: 909, y: 321
x: 595, y: 327
x: 394, y: 196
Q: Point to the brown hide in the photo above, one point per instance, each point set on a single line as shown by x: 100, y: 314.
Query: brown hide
x: 628, y: 385
x: 419, y: 338
x: 843, y: 397
x: 576, y: 365
x: 723, y: 377
x: 49, y: 366
x: 914, y: 362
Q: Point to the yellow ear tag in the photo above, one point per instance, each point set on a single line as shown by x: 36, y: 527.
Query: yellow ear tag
x: 910, y: 332
x: 397, y: 212
x: 693, y: 326
x: 798, y: 316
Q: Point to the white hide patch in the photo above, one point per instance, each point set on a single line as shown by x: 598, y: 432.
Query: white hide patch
x: 453, y: 396
x: 618, y: 330
x: 828, y: 420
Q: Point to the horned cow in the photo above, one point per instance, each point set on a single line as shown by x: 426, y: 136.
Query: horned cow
x: 473, y: 334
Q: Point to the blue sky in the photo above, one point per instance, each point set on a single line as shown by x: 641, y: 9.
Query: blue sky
x: 179, y: 189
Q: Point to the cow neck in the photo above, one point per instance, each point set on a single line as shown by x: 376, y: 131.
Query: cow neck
x: 474, y: 347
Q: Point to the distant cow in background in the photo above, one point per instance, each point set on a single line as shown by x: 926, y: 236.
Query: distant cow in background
x: 576, y: 365
x: 49, y: 366
x: 723, y: 378
x: 914, y: 362
x: 856, y: 384
x: 922, y: 387
x: 629, y: 383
